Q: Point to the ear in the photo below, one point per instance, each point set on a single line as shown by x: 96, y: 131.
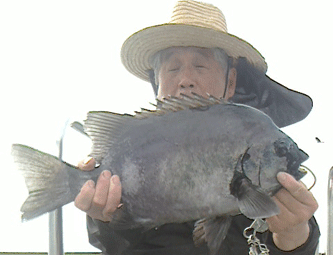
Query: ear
x: 231, y: 83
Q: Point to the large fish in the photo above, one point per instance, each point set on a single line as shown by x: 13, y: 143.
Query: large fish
x: 191, y: 159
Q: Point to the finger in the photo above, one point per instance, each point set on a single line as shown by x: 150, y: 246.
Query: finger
x: 87, y: 164
x: 289, y: 216
x: 297, y: 208
x: 295, y: 188
x: 284, y: 210
x: 284, y: 197
x: 296, y: 199
x: 102, y: 189
x: 84, y: 199
x: 114, y: 197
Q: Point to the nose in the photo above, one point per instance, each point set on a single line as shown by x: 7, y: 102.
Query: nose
x: 186, y: 80
x: 183, y: 85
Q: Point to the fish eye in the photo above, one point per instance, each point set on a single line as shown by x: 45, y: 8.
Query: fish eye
x: 281, y: 148
x: 281, y: 152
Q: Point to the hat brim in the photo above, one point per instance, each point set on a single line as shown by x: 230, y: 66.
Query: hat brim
x: 138, y: 49
x: 283, y: 105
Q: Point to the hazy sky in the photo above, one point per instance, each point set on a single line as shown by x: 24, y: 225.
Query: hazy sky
x: 60, y: 59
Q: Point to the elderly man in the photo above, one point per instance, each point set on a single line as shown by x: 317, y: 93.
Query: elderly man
x: 194, y: 53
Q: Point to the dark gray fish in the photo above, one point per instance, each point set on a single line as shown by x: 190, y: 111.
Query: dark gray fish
x: 191, y: 159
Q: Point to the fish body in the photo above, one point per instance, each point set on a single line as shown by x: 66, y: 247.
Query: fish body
x: 189, y: 160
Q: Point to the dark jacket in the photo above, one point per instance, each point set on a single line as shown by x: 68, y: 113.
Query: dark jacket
x: 177, y: 239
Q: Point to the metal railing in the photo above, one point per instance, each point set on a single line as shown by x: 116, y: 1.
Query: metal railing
x: 55, y: 233
x: 330, y: 214
x: 56, y: 246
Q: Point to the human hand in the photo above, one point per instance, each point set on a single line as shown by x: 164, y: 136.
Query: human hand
x: 99, y: 201
x: 290, y: 228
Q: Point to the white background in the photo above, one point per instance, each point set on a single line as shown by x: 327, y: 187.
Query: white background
x: 60, y: 59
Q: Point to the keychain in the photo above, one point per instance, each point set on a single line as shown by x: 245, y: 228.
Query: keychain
x: 256, y: 248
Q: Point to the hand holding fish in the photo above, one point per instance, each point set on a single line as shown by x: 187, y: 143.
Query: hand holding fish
x: 101, y: 200
x: 297, y: 205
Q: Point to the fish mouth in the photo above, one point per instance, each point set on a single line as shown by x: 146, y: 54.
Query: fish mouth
x: 286, y: 148
x: 294, y: 167
x: 299, y: 173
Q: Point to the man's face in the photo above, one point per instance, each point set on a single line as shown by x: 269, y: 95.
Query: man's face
x: 191, y: 69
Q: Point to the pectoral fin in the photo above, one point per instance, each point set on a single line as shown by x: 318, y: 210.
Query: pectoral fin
x: 253, y: 202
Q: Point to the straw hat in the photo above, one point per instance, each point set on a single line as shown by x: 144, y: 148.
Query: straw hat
x: 192, y: 24
x: 203, y: 25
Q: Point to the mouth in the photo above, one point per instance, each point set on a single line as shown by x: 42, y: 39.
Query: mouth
x: 296, y: 170
x: 294, y: 167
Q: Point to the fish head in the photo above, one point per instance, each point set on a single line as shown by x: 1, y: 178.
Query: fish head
x: 262, y: 162
x: 288, y: 149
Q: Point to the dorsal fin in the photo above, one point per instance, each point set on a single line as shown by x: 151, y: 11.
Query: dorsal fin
x: 187, y: 102
x: 175, y: 104
x: 104, y: 127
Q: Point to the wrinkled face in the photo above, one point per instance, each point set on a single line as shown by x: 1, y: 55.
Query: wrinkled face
x: 191, y: 69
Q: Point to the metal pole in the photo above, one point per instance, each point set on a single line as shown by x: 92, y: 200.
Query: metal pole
x: 55, y: 217
x: 55, y: 232
x: 330, y: 214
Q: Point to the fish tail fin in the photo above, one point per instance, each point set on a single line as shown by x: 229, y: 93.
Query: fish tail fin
x: 47, y: 180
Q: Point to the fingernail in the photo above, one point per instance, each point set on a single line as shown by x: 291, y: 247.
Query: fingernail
x: 90, y: 183
x: 107, y: 174
x: 115, y: 180
x: 87, y: 160
x: 281, y: 176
